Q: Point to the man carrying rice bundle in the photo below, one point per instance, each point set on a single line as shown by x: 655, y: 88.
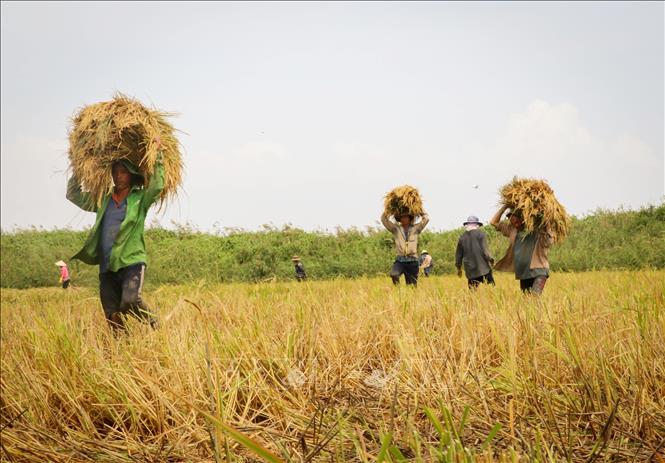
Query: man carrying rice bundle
x: 536, y: 221
x: 404, y: 204
x: 124, y: 157
x: 116, y: 240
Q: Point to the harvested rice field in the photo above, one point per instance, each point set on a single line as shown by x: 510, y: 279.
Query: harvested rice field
x: 341, y: 371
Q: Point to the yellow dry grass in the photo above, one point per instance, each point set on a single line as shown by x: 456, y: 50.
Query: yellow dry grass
x: 122, y: 128
x: 342, y: 371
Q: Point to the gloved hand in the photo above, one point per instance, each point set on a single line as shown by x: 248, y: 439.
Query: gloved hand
x: 459, y: 272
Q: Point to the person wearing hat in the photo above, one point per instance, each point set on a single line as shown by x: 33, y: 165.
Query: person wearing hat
x: 116, y: 241
x: 425, y: 261
x: 64, y: 274
x: 299, y: 267
x: 405, y: 234
x: 527, y: 252
x: 474, y: 253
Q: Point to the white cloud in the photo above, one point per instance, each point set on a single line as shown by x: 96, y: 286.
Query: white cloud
x: 586, y: 170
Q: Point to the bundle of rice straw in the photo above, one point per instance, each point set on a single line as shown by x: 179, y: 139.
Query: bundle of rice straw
x: 122, y: 128
x: 403, y: 200
x: 539, y: 208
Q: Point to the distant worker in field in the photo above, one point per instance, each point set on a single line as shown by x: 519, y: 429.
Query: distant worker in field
x: 426, y: 263
x: 64, y: 274
x: 527, y: 252
x: 116, y: 240
x: 405, y: 234
x: 299, y: 268
x: 473, y: 252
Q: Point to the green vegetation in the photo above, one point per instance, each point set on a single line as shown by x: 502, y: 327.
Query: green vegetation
x: 604, y: 240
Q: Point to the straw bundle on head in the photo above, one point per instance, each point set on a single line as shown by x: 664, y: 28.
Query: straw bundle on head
x: 403, y: 200
x: 534, y: 200
x: 122, y: 128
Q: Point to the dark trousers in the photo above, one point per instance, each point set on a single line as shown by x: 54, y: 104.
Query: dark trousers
x: 65, y: 284
x: 533, y: 285
x: 475, y: 282
x: 409, y: 269
x: 120, y: 293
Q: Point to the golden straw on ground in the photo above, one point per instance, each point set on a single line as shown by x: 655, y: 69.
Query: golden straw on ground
x: 539, y: 208
x: 403, y: 200
x: 122, y: 128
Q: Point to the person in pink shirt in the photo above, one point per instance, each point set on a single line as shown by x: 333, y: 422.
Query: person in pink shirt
x: 64, y: 274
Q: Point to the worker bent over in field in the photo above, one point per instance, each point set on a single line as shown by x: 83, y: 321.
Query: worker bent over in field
x: 474, y: 253
x: 527, y: 252
x: 426, y: 263
x: 64, y: 274
x: 299, y: 268
x: 405, y: 235
x: 116, y: 240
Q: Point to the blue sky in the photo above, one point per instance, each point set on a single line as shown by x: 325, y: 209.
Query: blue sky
x: 308, y: 113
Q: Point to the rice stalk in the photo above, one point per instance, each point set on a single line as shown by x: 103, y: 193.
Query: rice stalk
x: 122, y: 128
x: 403, y: 200
x: 535, y: 202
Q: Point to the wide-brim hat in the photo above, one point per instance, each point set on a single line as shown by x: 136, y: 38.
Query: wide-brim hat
x: 295, y: 258
x: 61, y: 264
x: 472, y: 219
x: 424, y: 251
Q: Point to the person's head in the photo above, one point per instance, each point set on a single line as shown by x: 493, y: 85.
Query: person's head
x: 123, y: 177
x: 405, y: 220
x: 473, y: 221
x: 516, y: 219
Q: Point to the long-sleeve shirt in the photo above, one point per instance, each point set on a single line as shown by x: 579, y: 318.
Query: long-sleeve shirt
x: 406, y: 241
x: 474, y: 253
x: 129, y: 246
x: 64, y: 273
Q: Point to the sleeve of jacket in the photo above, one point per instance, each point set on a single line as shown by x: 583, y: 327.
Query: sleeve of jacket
x: 424, y: 220
x: 79, y: 197
x: 504, y: 228
x: 459, y: 254
x: 156, y: 184
x: 391, y: 227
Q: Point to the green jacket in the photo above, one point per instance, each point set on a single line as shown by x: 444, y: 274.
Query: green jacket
x: 129, y: 246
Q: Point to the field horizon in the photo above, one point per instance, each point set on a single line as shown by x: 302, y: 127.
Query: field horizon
x: 604, y: 240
